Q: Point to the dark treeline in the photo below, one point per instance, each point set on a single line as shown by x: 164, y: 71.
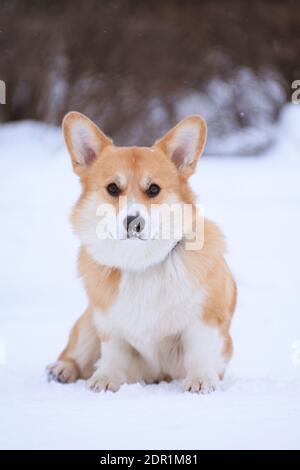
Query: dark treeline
x: 138, y: 66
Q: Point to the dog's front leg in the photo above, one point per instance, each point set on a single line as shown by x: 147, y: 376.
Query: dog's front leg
x: 112, y: 367
x: 203, y: 356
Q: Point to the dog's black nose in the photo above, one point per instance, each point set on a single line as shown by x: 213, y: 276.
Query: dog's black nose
x: 134, y: 223
x: 129, y: 219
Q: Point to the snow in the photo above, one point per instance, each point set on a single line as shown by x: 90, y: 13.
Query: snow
x: 256, y: 201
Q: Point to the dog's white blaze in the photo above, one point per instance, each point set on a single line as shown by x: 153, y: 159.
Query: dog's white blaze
x: 121, y: 180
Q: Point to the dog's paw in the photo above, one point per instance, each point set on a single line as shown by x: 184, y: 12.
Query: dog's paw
x: 100, y: 382
x: 203, y: 385
x: 62, y: 371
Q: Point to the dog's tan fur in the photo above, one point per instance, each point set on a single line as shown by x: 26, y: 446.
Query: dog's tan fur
x: 206, y: 267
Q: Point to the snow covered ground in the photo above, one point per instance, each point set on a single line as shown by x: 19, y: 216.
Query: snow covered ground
x: 257, y: 203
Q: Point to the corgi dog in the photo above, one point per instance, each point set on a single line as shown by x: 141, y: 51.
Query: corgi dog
x: 160, y: 307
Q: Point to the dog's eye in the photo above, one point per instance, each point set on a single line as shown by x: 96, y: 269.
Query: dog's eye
x: 113, y: 189
x: 153, y: 190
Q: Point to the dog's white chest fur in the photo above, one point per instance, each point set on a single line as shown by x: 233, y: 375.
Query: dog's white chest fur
x: 152, y: 305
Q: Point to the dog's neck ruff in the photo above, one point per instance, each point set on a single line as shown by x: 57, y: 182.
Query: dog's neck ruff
x: 173, y: 249
x: 176, y: 245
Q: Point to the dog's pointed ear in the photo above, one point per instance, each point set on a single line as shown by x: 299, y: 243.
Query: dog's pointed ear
x: 85, y: 141
x: 185, y: 143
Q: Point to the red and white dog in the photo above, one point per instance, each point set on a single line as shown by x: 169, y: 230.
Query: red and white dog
x: 158, y: 309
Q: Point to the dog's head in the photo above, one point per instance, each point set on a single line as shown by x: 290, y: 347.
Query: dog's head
x: 128, y: 215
